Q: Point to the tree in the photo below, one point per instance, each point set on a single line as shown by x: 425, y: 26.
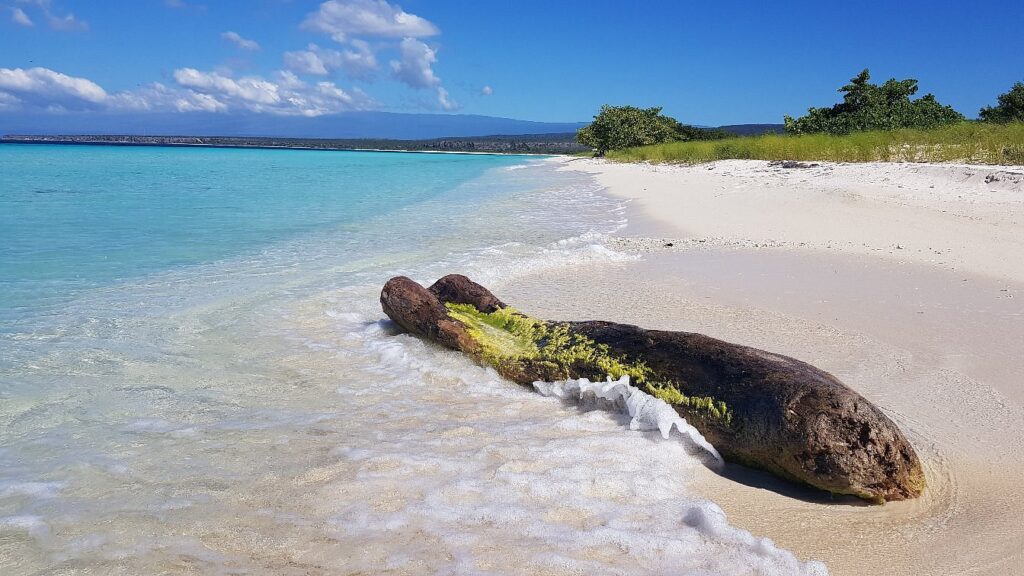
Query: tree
x: 1009, y: 109
x: 868, y: 106
x: 617, y: 127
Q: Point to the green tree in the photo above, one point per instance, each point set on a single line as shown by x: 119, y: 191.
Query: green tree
x: 617, y: 127
x: 868, y: 106
x: 1009, y: 109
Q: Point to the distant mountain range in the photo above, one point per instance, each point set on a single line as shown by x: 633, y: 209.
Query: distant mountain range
x: 349, y: 125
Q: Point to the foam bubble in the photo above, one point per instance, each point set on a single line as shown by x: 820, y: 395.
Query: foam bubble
x: 647, y: 412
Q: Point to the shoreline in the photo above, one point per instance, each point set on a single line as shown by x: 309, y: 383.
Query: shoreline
x: 6, y: 140
x: 932, y: 341
x: 238, y: 146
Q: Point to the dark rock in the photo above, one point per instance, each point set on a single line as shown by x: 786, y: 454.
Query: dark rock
x: 789, y: 417
x: 458, y: 289
x: 418, y: 310
x: 788, y: 164
x: 784, y: 415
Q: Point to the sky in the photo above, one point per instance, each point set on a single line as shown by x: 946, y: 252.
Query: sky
x: 705, y: 63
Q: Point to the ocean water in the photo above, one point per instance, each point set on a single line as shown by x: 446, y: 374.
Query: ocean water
x: 196, y: 377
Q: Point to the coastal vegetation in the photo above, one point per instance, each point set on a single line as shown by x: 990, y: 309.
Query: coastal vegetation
x: 617, y: 127
x: 873, y: 123
x: 1010, y: 107
x: 868, y: 106
x: 969, y: 142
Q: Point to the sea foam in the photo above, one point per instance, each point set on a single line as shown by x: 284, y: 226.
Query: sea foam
x: 647, y: 412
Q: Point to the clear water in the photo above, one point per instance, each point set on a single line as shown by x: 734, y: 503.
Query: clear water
x: 195, y: 376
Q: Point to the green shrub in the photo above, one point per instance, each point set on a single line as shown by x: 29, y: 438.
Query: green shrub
x: 618, y: 127
x: 1009, y: 109
x: 868, y: 106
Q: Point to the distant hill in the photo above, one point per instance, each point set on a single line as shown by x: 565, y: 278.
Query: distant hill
x: 753, y: 129
x: 349, y: 125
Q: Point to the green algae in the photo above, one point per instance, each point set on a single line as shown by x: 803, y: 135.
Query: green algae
x: 509, y: 340
x: 506, y: 337
x: 705, y: 406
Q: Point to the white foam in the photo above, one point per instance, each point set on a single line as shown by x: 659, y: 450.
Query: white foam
x: 647, y: 412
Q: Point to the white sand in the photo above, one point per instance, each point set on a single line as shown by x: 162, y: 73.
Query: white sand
x: 942, y: 215
x: 904, y: 280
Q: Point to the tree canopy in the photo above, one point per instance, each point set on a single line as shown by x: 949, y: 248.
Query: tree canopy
x: 617, y: 127
x: 1009, y: 109
x: 868, y: 106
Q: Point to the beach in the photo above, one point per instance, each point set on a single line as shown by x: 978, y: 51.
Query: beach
x: 197, y: 375
x: 903, y: 280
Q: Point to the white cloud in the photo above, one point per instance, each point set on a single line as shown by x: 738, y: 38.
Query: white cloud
x: 252, y: 89
x: 487, y: 90
x: 444, y: 101
x: 359, y: 62
x: 56, y: 21
x: 196, y: 91
x: 306, y: 62
x: 341, y: 19
x: 415, y: 66
x: 243, y: 43
x: 43, y: 86
x: 289, y: 95
x: 8, y: 101
x: 158, y: 97
x: 18, y: 16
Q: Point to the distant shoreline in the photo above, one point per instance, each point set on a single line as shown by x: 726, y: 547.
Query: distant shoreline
x: 541, y: 145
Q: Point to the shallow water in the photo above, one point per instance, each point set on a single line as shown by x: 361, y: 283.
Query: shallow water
x: 245, y: 408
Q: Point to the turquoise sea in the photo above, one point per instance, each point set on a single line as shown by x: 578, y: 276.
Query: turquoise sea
x: 196, y: 377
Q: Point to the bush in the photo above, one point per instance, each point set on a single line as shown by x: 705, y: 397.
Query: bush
x: 868, y: 106
x: 1009, y: 109
x: 618, y: 127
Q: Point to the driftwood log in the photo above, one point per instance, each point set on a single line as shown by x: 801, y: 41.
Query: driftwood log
x: 757, y: 408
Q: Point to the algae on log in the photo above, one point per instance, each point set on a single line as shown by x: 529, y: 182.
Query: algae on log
x: 757, y: 408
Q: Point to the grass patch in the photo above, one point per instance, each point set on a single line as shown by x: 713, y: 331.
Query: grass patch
x: 969, y: 142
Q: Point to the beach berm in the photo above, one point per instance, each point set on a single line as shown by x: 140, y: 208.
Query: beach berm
x: 760, y: 409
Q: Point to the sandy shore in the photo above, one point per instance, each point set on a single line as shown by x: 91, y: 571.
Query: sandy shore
x: 906, y: 281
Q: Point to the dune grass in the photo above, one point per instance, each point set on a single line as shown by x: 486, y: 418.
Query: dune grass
x: 969, y: 142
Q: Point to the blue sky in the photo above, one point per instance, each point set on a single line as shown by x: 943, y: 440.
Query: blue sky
x: 707, y: 63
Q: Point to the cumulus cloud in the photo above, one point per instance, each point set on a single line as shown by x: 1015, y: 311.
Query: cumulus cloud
x: 18, y: 16
x: 341, y: 19
x: 487, y: 90
x: 51, y: 15
x: 158, y: 97
x: 243, y: 43
x: 194, y: 91
x: 444, y: 101
x: 415, y: 64
x: 357, y: 62
x: 306, y: 61
x: 287, y: 95
x: 45, y: 87
x: 251, y: 89
x: 8, y: 101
